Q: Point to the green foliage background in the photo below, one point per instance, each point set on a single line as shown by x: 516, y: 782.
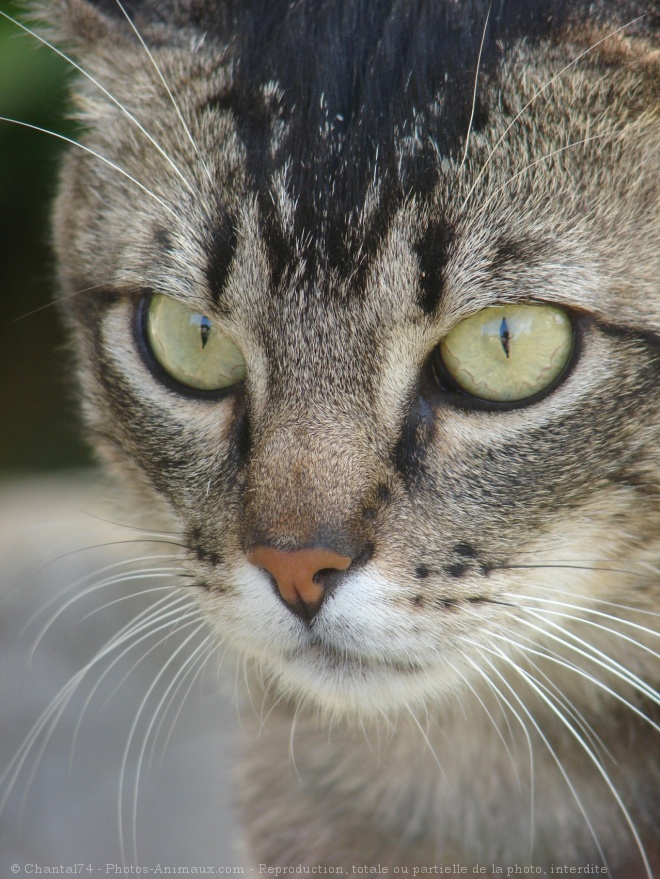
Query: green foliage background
x: 38, y: 418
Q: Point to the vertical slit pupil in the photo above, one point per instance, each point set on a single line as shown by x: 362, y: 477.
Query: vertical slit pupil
x: 205, y: 330
x: 505, y: 336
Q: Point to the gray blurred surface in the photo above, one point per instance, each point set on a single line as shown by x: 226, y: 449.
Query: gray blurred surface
x: 63, y: 805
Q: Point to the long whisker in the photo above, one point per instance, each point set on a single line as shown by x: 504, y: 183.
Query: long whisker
x: 192, y: 667
x: 124, y: 761
x: 566, y: 566
x: 490, y: 717
x: 291, y: 740
x: 96, y: 155
x: 190, y: 660
x: 110, y: 581
x: 480, y: 648
x: 108, y: 94
x: 53, y: 303
x: 175, y: 103
x: 74, y: 585
x: 47, y: 721
x: 593, y: 600
x: 587, y: 622
x: 545, y: 158
x: 582, y: 563
x: 588, y: 751
x: 137, y: 528
x: 502, y: 699
x: 539, y: 93
x: 476, y: 83
x: 53, y: 711
x: 246, y: 686
x: 238, y: 700
x: 596, y: 656
x: 427, y: 741
x: 157, y: 615
x: 131, y: 595
x: 275, y: 702
x: 551, y: 686
x: 552, y: 656
x: 203, y: 662
x: 171, y: 617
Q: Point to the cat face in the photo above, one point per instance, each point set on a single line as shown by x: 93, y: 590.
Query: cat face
x: 379, y: 329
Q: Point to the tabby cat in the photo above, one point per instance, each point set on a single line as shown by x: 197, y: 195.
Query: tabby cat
x: 365, y: 296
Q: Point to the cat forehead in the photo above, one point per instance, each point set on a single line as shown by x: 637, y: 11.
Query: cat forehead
x: 339, y: 117
x: 358, y: 70
x: 225, y: 16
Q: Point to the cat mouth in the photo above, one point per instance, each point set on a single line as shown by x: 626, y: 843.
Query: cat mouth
x: 340, y: 659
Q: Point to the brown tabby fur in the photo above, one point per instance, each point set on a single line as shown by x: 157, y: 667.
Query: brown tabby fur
x: 482, y: 687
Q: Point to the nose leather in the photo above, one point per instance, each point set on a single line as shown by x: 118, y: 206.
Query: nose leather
x: 297, y: 573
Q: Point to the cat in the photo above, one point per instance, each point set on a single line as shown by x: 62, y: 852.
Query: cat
x: 365, y: 298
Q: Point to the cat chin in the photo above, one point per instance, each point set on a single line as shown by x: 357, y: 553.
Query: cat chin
x: 353, y: 688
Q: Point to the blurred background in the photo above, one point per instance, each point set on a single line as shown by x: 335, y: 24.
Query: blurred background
x: 39, y: 428
x: 57, y: 546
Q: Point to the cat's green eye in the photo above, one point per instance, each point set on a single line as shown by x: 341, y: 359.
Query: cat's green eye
x: 190, y: 347
x: 508, y: 353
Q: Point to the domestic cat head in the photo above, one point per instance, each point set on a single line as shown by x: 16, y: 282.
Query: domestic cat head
x: 287, y: 227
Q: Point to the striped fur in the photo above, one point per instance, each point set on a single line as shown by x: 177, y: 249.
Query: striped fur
x: 353, y: 178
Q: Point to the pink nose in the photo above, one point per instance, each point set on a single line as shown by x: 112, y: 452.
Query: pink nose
x: 299, y: 574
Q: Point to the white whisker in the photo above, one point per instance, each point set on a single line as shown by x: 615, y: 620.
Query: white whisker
x: 480, y: 648
x: 545, y: 158
x: 594, y: 600
x: 591, y: 612
x: 124, y: 761
x: 150, y: 572
x: 367, y: 740
x: 75, y: 584
x: 53, y: 711
x: 476, y: 83
x: 57, y: 300
x: 173, y: 100
x: 263, y: 718
x: 174, y: 616
x: 538, y: 94
x: 597, y: 656
x: 489, y: 714
x: 115, y: 580
x: 291, y: 738
x: 502, y: 700
x: 105, y: 91
x: 521, y: 643
x: 427, y: 741
x: 182, y: 671
x: 211, y: 646
x: 587, y: 622
x: 589, y: 752
x: 96, y: 155
x: 552, y: 656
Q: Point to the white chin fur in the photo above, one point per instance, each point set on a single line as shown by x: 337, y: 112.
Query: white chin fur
x: 351, y: 688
